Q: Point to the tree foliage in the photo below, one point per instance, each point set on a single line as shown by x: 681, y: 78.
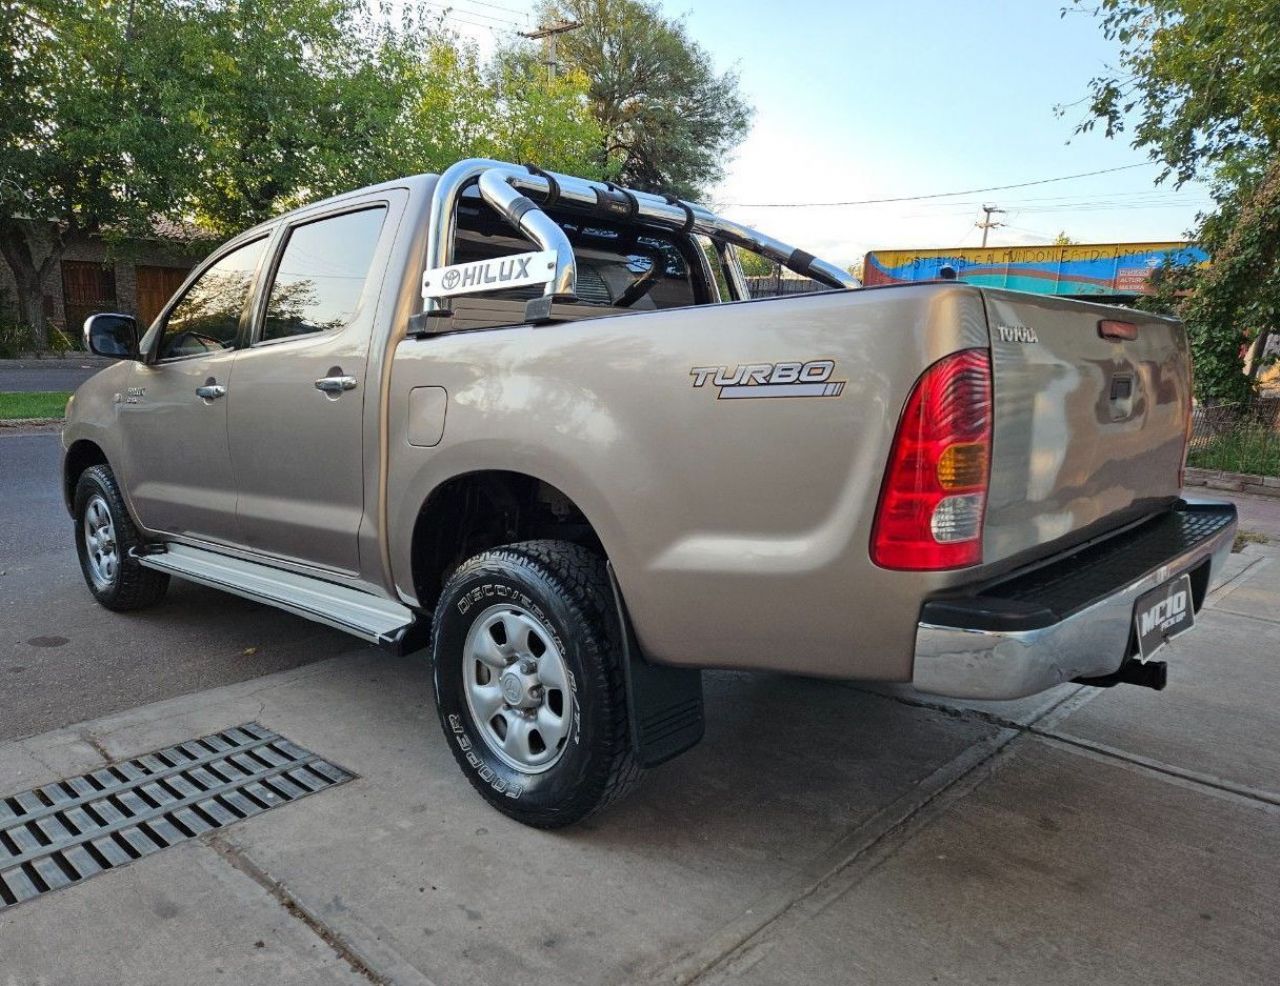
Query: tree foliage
x: 114, y: 113
x: 754, y: 265
x: 669, y: 120
x: 313, y: 100
x: 1198, y: 87
x: 89, y: 137
x: 278, y: 103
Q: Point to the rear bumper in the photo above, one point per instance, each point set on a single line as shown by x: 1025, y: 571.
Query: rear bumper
x: 1071, y: 617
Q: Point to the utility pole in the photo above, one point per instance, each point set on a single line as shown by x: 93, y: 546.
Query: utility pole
x: 986, y: 225
x: 547, y: 33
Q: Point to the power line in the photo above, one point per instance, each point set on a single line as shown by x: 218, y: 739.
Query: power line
x: 936, y: 195
x: 1072, y: 205
x: 449, y: 10
x: 499, y: 6
x: 507, y: 21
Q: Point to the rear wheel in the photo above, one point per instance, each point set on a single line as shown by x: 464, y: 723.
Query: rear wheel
x: 529, y: 682
x: 105, y: 536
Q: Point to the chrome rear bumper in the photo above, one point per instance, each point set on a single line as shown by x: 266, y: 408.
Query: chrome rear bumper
x: 1001, y: 643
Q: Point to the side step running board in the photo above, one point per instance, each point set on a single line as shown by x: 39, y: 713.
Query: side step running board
x: 372, y: 618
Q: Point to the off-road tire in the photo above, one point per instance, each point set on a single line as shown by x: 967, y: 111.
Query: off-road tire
x: 567, y: 589
x: 133, y: 587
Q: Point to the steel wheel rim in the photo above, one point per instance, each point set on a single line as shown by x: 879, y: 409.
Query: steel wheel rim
x: 517, y: 688
x: 101, y: 550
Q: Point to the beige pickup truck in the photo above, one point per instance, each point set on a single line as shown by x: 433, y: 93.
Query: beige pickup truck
x: 538, y: 425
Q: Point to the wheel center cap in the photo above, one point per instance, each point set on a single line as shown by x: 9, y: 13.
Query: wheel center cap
x: 516, y: 689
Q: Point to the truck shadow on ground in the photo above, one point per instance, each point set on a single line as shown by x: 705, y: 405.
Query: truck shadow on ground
x: 787, y: 762
x: 788, y: 767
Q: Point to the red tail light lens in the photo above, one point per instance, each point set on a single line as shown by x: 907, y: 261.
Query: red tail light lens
x: 934, y: 496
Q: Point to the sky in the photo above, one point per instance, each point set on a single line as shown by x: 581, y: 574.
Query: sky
x: 863, y: 100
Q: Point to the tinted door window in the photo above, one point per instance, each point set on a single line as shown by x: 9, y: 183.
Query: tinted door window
x: 321, y: 276
x: 207, y: 317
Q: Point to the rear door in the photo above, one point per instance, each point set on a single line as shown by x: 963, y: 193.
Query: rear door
x: 173, y: 417
x: 1089, y: 430
x: 296, y: 423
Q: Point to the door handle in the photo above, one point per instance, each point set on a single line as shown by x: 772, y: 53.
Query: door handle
x: 336, y: 385
x: 211, y: 391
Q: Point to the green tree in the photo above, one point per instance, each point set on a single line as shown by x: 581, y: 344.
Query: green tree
x: 1198, y: 87
x: 543, y: 121
x: 457, y: 107
x: 312, y: 98
x: 118, y: 112
x: 668, y: 119
x: 292, y: 100
x: 754, y: 265
x: 90, y: 142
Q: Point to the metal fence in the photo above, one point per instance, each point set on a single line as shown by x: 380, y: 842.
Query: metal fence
x: 771, y: 286
x: 1240, y: 437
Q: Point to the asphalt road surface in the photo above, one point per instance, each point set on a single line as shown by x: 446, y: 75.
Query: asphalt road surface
x: 64, y: 659
x: 26, y: 376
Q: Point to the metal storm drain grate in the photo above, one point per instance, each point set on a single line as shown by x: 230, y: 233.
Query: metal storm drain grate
x: 65, y: 832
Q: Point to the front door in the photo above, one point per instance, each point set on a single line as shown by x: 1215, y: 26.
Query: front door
x: 296, y: 418
x: 173, y: 416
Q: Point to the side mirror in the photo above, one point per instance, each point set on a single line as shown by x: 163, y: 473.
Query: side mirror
x: 112, y: 335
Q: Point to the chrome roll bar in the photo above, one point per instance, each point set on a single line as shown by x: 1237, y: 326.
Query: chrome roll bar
x: 498, y: 191
x: 506, y: 188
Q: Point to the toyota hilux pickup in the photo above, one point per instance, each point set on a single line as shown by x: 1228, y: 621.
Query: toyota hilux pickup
x: 537, y: 425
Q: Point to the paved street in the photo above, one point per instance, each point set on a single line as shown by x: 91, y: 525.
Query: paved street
x: 46, y: 374
x: 822, y: 833
x: 63, y: 659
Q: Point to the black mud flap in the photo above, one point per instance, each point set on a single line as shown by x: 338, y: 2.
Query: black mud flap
x: 664, y: 704
x: 409, y: 638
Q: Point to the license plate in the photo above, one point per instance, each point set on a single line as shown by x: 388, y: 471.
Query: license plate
x: 1162, y: 614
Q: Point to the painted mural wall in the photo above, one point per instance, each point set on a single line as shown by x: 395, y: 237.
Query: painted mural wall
x: 1078, y: 269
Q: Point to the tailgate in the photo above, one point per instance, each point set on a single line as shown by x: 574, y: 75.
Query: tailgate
x: 1088, y: 431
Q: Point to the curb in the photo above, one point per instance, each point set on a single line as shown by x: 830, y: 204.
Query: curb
x: 27, y: 360
x: 24, y: 424
x: 1235, y: 482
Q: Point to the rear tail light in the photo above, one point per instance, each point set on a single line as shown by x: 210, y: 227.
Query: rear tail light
x: 934, y: 496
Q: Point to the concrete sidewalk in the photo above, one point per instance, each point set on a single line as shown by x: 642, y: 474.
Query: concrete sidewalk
x: 1259, y: 515
x: 822, y: 833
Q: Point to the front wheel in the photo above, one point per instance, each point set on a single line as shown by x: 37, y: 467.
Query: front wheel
x: 105, y: 536
x: 529, y: 682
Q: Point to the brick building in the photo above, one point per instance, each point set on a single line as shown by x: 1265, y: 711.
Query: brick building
x: 136, y: 276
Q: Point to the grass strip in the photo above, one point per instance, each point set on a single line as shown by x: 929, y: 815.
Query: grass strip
x: 33, y: 404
